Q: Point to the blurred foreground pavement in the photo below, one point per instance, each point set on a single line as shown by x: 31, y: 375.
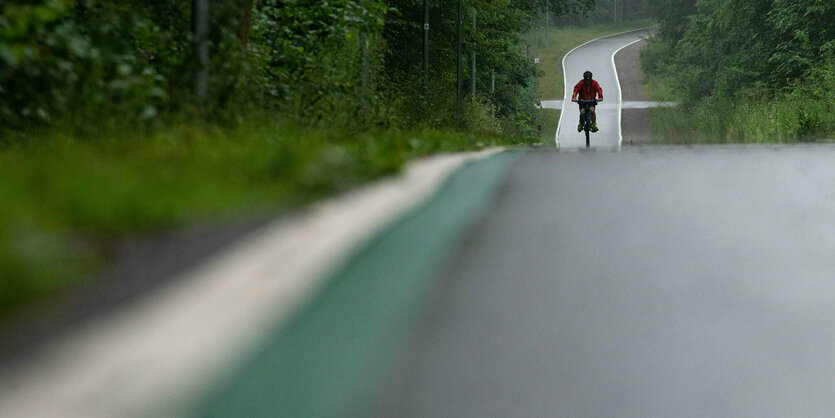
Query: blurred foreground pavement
x: 654, y: 281
x: 651, y: 281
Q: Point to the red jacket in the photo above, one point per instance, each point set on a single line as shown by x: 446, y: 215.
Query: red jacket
x: 587, y: 92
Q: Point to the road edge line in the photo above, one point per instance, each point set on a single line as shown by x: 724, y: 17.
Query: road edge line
x: 620, y: 93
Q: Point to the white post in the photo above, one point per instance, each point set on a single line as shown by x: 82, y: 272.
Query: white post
x: 473, y: 77
x: 616, y: 11
x: 200, y: 31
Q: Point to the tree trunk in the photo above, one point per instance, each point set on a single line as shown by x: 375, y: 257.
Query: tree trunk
x: 244, y: 20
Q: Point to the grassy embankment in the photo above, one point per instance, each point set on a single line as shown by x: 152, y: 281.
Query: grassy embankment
x: 788, y: 117
x: 68, y: 200
x: 796, y: 114
x: 551, y: 49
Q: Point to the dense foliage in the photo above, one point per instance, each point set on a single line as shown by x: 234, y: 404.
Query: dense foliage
x: 749, y: 54
x: 131, y: 62
x: 608, y: 11
x: 102, y: 135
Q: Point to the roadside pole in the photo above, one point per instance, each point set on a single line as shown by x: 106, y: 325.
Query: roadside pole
x: 365, y: 72
x: 425, y: 50
x: 200, y: 32
x: 616, y: 11
x: 536, y: 79
x: 366, y: 64
x: 460, y: 79
x: 473, y: 77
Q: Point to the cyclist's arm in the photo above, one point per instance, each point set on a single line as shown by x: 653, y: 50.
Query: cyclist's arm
x: 599, y: 92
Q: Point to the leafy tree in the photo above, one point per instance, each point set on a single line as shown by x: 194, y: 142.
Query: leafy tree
x: 496, y: 42
x: 132, y: 60
x: 723, y: 46
x: 805, y: 36
x: 758, y: 57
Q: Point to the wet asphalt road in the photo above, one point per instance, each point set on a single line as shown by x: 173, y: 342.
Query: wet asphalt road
x: 596, y: 57
x: 651, y: 282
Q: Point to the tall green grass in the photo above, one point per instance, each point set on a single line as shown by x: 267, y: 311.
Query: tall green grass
x: 67, y: 199
x: 550, y: 118
x: 804, y: 111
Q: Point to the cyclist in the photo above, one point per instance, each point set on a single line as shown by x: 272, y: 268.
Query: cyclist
x: 587, y: 89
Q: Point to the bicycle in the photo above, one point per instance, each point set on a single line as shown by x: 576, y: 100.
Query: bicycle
x: 587, y: 116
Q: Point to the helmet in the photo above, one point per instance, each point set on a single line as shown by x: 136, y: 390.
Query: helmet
x: 587, y: 75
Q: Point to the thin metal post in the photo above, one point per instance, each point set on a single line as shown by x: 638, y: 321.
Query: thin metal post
x: 365, y: 62
x: 365, y: 73
x: 200, y: 31
x: 616, y: 11
x: 493, y: 82
x: 473, y: 77
x: 460, y: 78
x: 425, y: 50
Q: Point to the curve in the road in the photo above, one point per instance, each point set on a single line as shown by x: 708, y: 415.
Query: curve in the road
x: 620, y: 92
x: 597, y: 55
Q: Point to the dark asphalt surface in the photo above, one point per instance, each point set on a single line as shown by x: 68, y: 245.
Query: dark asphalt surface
x: 651, y: 282
x: 634, y: 122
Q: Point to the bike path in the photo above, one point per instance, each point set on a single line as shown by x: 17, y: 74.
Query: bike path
x: 691, y: 281
x: 551, y: 284
x: 333, y: 358
x: 596, y: 56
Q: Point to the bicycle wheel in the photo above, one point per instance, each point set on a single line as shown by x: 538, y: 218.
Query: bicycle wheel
x: 586, y: 127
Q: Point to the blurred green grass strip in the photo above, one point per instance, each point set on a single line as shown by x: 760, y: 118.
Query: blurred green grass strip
x: 66, y: 201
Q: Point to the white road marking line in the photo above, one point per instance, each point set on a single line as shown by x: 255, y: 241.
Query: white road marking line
x: 630, y: 104
x: 620, y: 93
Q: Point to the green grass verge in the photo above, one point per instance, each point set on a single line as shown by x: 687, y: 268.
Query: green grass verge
x: 552, y: 47
x: 762, y: 121
x: 789, y: 117
x: 658, y: 89
x: 550, y: 118
x: 801, y: 113
x: 66, y: 200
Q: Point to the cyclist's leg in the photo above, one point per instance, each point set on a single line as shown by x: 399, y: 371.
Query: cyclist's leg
x: 593, y: 119
x: 582, y: 112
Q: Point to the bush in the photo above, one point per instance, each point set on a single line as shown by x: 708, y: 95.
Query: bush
x: 768, y: 64
x: 801, y: 112
x: 64, y: 56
